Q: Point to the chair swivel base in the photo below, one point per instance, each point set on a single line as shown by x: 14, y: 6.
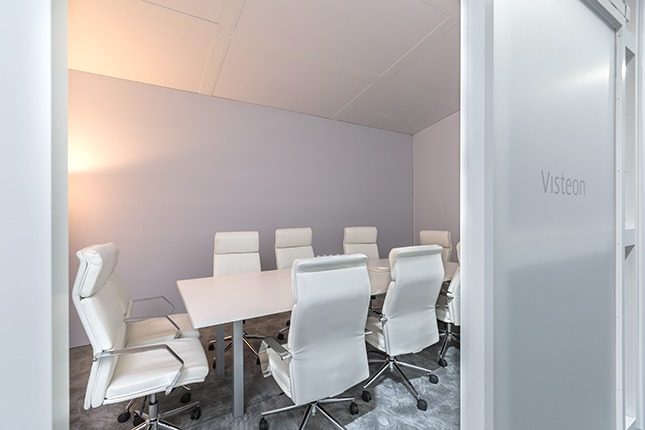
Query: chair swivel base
x: 127, y: 413
x: 229, y: 345
x: 154, y: 420
x: 311, y: 410
x: 449, y: 338
x: 394, y: 365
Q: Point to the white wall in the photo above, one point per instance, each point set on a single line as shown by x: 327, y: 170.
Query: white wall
x: 436, y: 178
x: 159, y: 171
x: 33, y: 217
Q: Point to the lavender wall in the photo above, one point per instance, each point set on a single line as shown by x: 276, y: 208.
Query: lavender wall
x: 436, y: 178
x: 159, y: 171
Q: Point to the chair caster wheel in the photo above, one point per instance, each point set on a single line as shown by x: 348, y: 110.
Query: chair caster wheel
x: 211, y: 347
x: 442, y: 362
x: 123, y: 417
x: 137, y: 421
x: 353, y: 408
x: 280, y: 336
x: 264, y: 425
x: 422, y: 405
x: 434, y: 379
x: 185, y: 398
x: 366, y: 396
x: 196, y: 413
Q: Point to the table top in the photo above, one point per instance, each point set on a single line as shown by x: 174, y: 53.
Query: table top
x: 224, y: 299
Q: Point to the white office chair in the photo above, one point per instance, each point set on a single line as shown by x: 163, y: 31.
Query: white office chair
x: 291, y: 244
x: 407, y: 323
x: 121, y: 372
x: 444, y: 239
x: 326, y: 353
x: 449, y: 312
x: 361, y: 240
x: 237, y: 252
x: 145, y: 330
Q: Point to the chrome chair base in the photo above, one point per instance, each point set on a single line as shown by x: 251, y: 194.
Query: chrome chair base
x: 449, y: 338
x: 127, y: 413
x: 393, y: 365
x: 312, y: 409
x: 229, y: 344
x: 154, y: 420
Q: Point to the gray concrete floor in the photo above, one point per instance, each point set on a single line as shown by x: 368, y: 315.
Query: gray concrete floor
x: 392, y: 407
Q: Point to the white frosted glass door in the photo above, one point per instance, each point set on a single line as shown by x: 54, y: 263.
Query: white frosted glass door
x: 554, y: 211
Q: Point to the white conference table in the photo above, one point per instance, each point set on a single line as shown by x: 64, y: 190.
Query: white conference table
x: 216, y: 301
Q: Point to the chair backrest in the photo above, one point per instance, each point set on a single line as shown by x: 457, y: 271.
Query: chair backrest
x: 409, y: 305
x: 99, y: 307
x: 327, y: 333
x: 290, y: 244
x: 361, y: 240
x: 236, y: 252
x: 438, y: 237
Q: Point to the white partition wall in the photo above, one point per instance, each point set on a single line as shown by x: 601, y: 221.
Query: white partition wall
x: 550, y: 204
x: 33, y: 219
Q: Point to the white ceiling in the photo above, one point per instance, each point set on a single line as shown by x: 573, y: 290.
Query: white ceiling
x: 391, y: 64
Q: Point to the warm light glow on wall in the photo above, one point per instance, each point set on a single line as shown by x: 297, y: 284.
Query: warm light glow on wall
x: 80, y: 158
x: 100, y: 154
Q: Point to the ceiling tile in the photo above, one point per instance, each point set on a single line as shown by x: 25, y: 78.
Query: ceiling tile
x: 392, y: 109
x: 434, y: 70
x: 257, y: 76
x: 138, y: 41
x: 367, y: 34
x: 206, y: 9
x: 450, y: 7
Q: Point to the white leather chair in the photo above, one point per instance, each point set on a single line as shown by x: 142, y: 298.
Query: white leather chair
x: 236, y: 252
x: 326, y: 353
x: 442, y: 238
x: 361, y: 240
x: 291, y: 244
x: 408, y: 322
x: 449, y: 312
x: 121, y: 372
x: 145, y: 330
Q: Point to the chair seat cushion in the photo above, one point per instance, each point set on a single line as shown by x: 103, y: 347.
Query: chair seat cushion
x: 376, y: 337
x: 141, y: 374
x: 280, y: 371
x: 155, y: 330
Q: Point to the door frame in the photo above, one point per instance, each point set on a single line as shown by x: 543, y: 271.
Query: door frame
x: 476, y: 223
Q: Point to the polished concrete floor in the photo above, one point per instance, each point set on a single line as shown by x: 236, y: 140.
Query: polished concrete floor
x: 392, y: 407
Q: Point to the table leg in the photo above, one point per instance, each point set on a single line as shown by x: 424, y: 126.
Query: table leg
x: 238, y: 370
x: 219, y: 350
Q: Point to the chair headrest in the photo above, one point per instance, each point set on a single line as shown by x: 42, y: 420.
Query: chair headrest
x: 237, y: 242
x: 293, y: 237
x: 327, y: 263
x: 360, y: 235
x: 408, y: 252
x: 100, y: 261
x: 435, y: 237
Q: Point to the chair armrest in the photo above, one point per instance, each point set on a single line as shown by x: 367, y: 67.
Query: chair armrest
x: 167, y: 318
x: 150, y: 299
x: 277, y: 348
x: 142, y: 349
